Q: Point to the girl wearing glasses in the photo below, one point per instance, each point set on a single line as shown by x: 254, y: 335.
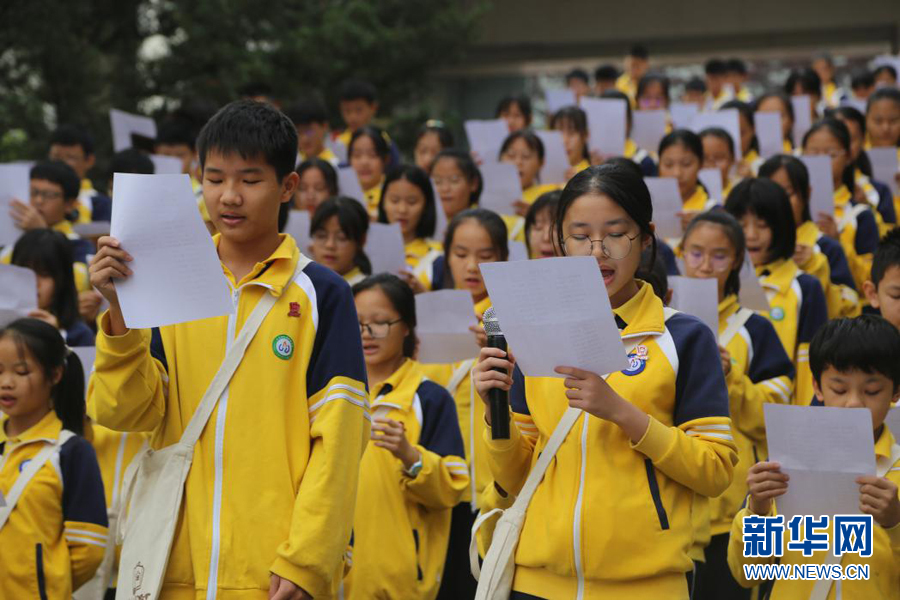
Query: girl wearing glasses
x: 853, y: 224
x: 757, y: 370
x: 815, y: 253
x: 796, y: 301
x: 413, y: 473
x: 337, y: 237
x: 650, y: 439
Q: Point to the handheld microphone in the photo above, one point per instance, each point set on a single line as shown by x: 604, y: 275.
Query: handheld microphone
x: 497, y: 399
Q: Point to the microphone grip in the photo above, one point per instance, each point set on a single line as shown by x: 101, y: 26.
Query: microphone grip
x: 497, y: 398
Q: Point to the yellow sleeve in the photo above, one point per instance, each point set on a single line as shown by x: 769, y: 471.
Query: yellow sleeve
x: 803, y: 386
x: 87, y: 545
x: 510, y: 460
x: 736, y: 558
x: 746, y: 400
x: 440, y: 484
x: 128, y: 388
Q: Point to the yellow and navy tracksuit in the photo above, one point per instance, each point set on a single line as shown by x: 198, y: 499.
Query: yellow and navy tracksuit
x: 858, y: 233
x: 354, y: 276
x: 274, y: 473
x: 536, y: 190
x: 55, y: 537
x: 797, y: 309
x: 699, y: 201
x: 612, y: 519
x: 878, y: 195
x: 641, y: 157
x: 420, y: 256
x: 99, y: 206
x: 884, y: 582
x: 828, y: 264
x: 402, y: 524
x: 627, y: 86
x: 373, y: 198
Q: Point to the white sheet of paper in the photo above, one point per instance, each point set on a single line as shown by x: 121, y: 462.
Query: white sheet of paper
x: 15, y: 183
x: 440, y: 223
x: 384, y: 247
x: 177, y: 274
x: 823, y: 450
x: 486, y: 137
x: 768, y: 133
x: 666, y: 205
x: 444, y: 319
x: 727, y: 119
x: 556, y: 161
x: 802, y: 118
x: 559, y: 98
x: 648, y: 127
x: 92, y: 229
x: 893, y: 422
x: 348, y: 185
x: 712, y: 181
x: 607, y: 124
x: 683, y: 113
x: 166, y: 165
x: 821, y: 197
x: 124, y: 124
x: 698, y: 297
x: 517, y: 250
x: 566, y: 321
x: 339, y: 149
x: 18, y: 293
x: 885, y: 167
x: 856, y: 103
x: 752, y: 294
x: 87, y: 355
x: 502, y: 187
x: 297, y: 227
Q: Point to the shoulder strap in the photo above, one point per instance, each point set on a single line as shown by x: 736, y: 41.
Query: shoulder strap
x: 426, y: 262
x: 851, y: 214
x: 739, y: 319
x: 233, y: 358
x: 459, y: 374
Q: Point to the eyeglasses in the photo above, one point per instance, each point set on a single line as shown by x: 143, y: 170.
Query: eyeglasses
x: 378, y: 330
x: 45, y: 194
x: 719, y: 262
x: 322, y: 237
x: 454, y: 180
x: 615, y: 246
x: 835, y: 153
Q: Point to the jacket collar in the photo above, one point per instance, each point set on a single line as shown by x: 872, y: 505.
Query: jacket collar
x: 45, y: 430
x: 808, y: 234
x: 728, y: 307
x: 777, y: 275
x: 842, y: 197
x: 399, y: 389
x: 274, y: 272
x: 642, y: 313
x: 885, y: 442
x: 698, y: 199
x: 482, y: 306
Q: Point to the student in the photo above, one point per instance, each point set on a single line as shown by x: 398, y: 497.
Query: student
x: 823, y: 65
x: 571, y: 121
x: 862, y: 84
x: 680, y: 157
x: 694, y: 92
x: 579, y: 82
x: 883, y: 125
x: 539, y: 226
x: 408, y: 199
x: 75, y: 147
x: 310, y: 117
x: 314, y: 443
x: 885, y: 77
x: 516, y: 111
x: 175, y: 138
x: 716, y: 75
x: 645, y: 431
x: 854, y: 365
x: 757, y: 370
x: 457, y: 180
x: 53, y: 540
x: 882, y: 289
x: 358, y: 105
x: 318, y: 182
x: 736, y: 76
x: 750, y: 160
x: 639, y: 155
x: 796, y: 300
x: 718, y: 153
x: 637, y: 63
x: 413, y: 473
x: 337, y: 234
x: 805, y: 82
x: 432, y: 138
x: 815, y: 253
x: 605, y: 77
x: 369, y: 153
x: 525, y: 150
x: 653, y: 92
x: 853, y: 223
x: 778, y: 102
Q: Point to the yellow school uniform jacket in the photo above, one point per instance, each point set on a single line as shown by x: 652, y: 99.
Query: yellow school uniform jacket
x: 470, y: 412
x: 752, y: 160
x: 275, y: 471
x: 787, y: 147
x: 858, y: 234
x: 536, y: 190
x: 420, y: 256
x: 797, y: 310
x: 373, y: 199
x: 828, y: 265
x: 578, y: 168
x: 643, y: 158
x: 54, y: 539
x: 354, y: 276
x: 344, y: 137
x: 874, y: 199
x: 515, y: 227
x: 884, y: 564
x: 402, y: 524
x: 627, y: 86
x: 699, y: 201
x: 612, y: 519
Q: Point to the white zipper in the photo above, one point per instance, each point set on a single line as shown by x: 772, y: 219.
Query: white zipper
x: 579, y: 568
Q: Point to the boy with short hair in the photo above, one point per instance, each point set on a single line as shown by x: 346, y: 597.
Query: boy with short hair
x: 854, y: 365
x: 75, y: 147
x: 605, y: 77
x: 269, y: 501
x: 882, y: 290
x: 175, y: 137
x: 358, y: 104
x: 311, y: 120
x: 578, y: 81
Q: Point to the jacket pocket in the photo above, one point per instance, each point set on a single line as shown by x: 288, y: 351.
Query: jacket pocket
x: 39, y: 569
x: 419, y: 575
x: 654, y: 493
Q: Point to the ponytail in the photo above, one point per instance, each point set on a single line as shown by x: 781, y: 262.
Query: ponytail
x: 68, y: 395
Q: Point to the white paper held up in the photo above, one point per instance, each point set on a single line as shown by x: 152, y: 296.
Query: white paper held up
x: 384, y: 247
x: 712, y: 181
x: 348, y: 185
x: 166, y: 165
x: 15, y: 184
x: 92, y: 229
x: 666, y: 205
x: 444, y: 319
x: 124, y: 124
x: 556, y: 161
x: 893, y: 422
x: 727, y: 119
x: 18, y: 293
x: 297, y: 227
x: 486, y: 137
x: 648, y: 127
x: 559, y: 98
x: 768, y: 133
x: 752, y: 294
x: 698, y: 297
x: 502, y: 187
x: 607, y: 124
x: 440, y: 225
x: 683, y: 113
x: 517, y: 250
x: 821, y: 197
x: 884, y: 167
x: 802, y: 118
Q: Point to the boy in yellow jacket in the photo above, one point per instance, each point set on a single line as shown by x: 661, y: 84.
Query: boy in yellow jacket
x: 270, y: 497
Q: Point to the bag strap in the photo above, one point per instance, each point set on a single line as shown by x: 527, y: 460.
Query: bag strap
x: 29, y: 471
x: 426, y: 262
x: 461, y: 372
x: 739, y: 319
x: 233, y: 357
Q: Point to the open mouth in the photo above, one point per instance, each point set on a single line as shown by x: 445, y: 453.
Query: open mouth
x: 232, y: 220
x: 370, y: 348
x: 7, y: 401
x: 608, y: 275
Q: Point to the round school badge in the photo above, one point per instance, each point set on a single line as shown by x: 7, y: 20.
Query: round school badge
x: 283, y: 347
x: 637, y: 361
x: 777, y: 313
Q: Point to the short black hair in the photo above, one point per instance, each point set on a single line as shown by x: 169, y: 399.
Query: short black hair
x: 887, y: 255
x: 324, y: 167
x: 606, y: 73
x: 174, y: 130
x: 58, y: 172
x: 49, y: 253
x: 769, y: 202
x: 379, y: 138
x: 357, y: 89
x: 885, y: 69
x: 547, y: 201
x: 686, y: 138
x: 530, y: 138
x: 419, y: 178
x: 883, y: 93
x: 520, y: 100
x: 797, y: 174
x: 715, y: 66
x: 252, y: 130
x: 718, y: 132
x: 577, y: 74
x: 862, y: 78
x: 867, y: 343
x: 639, y: 51
x: 353, y: 221
x: 73, y: 135
x: 401, y: 297
x: 491, y: 222
x: 307, y: 110
x: 695, y: 84
x: 440, y: 129
x: 576, y: 118
x: 809, y: 82
x: 132, y: 160
x: 736, y: 65
x: 653, y: 78
x: 785, y: 101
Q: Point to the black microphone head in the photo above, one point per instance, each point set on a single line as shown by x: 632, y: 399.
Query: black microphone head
x: 491, y: 324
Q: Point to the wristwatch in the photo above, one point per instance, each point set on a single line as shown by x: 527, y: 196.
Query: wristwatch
x: 413, y: 469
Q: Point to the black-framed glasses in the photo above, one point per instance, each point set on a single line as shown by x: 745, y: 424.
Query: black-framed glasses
x: 615, y: 246
x: 378, y: 330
